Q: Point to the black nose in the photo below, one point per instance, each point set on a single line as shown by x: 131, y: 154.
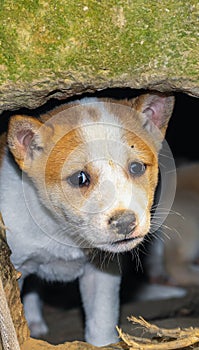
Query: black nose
x: 123, y: 222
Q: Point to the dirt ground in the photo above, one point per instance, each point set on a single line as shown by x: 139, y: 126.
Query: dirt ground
x: 67, y: 324
x: 64, y: 315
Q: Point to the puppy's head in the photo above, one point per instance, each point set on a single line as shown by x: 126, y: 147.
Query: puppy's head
x: 94, y: 164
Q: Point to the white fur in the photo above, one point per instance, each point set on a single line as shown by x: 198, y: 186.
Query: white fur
x: 109, y: 152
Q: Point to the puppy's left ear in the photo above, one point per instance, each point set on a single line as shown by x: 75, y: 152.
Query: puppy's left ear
x: 156, y: 110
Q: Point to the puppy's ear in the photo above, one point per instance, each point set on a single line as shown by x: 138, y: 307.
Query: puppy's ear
x: 26, y: 138
x: 156, y: 110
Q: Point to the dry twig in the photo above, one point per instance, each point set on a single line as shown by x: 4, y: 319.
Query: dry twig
x: 166, y: 339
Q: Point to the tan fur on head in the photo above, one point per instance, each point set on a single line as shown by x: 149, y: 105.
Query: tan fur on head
x: 99, y: 138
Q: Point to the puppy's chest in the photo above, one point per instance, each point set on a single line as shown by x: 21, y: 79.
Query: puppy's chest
x: 61, y: 270
x: 57, y: 264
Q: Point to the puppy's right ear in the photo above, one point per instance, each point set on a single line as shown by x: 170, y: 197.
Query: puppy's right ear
x: 26, y: 138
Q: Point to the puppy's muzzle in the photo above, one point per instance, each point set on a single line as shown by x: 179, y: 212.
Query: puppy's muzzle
x: 123, y: 222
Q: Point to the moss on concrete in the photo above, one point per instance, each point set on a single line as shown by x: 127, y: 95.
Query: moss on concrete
x: 112, y: 36
x: 82, y: 40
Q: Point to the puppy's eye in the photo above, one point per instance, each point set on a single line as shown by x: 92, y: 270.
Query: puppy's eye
x: 79, y: 179
x: 137, y: 168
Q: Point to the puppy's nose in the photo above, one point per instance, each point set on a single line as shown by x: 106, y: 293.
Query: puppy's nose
x: 123, y: 222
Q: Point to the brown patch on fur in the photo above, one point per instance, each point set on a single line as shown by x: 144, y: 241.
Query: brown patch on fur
x: 93, y: 113
x: 143, y: 152
x: 57, y: 160
x: 59, y: 154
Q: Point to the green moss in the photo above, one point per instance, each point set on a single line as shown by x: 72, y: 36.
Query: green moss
x: 40, y: 38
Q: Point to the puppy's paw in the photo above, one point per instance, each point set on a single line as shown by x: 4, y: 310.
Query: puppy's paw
x: 38, y: 329
x: 33, y: 313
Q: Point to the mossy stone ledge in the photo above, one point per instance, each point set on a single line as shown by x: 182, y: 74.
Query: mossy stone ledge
x: 64, y: 48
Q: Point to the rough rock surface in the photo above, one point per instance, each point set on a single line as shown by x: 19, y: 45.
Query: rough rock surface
x: 64, y: 48
x: 8, y: 276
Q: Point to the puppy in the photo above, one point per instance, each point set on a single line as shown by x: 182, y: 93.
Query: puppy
x: 77, y: 186
x: 173, y: 260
